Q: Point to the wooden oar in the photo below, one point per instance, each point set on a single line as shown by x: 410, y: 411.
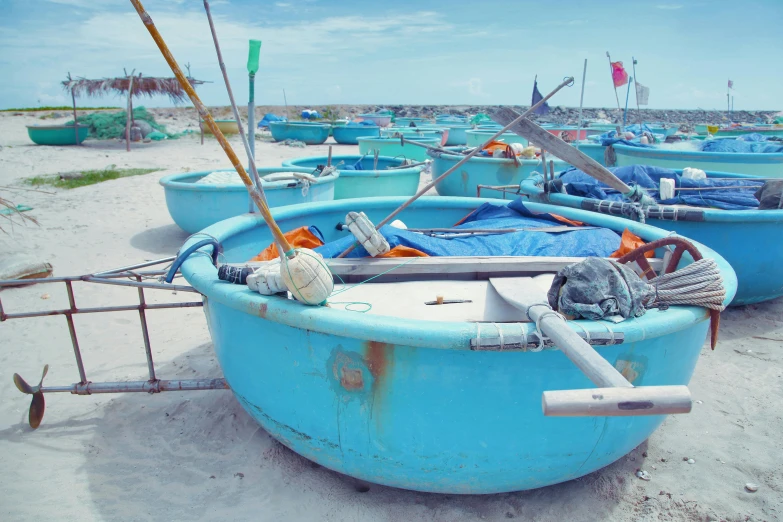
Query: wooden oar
x: 565, y: 152
x: 423, y: 190
x: 256, y: 192
x: 616, y: 396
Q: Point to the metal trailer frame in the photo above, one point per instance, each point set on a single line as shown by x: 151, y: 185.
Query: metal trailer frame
x: 123, y: 276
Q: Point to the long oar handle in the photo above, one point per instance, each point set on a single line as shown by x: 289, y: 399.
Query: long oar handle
x: 564, y: 151
x: 282, y: 243
x: 615, y: 395
x: 617, y: 402
x: 423, y: 190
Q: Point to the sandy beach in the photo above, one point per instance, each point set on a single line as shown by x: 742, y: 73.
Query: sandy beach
x: 199, y: 456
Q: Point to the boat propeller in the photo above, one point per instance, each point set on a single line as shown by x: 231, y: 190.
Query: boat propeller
x: 38, y: 405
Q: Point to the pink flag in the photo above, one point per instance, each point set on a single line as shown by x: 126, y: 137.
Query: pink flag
x: 619, y: 75
x: 731, y: 84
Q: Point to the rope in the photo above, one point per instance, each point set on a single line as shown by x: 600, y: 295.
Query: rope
x: 698, y: 284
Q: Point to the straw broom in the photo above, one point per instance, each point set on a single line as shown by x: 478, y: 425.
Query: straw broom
x: 308, y: 279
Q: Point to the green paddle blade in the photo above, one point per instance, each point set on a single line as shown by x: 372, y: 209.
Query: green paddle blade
x: 252, y: 57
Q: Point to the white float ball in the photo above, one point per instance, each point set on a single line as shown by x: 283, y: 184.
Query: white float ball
x: 307, y: 277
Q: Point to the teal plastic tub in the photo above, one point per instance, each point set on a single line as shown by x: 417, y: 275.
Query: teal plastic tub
x: 57, y: 134
x: 392, y: 147
x: 195, y: 206
x: 310, y: 133
x: 348, y: 134
x: 483, y: 171
x: 368, y: 182
x: 474, y: 138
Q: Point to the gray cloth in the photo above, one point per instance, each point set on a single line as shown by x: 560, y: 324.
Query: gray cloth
x: 770, y: 195
x: 596, y: 288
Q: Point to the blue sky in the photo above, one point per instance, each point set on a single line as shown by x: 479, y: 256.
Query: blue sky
x: 405, y: 51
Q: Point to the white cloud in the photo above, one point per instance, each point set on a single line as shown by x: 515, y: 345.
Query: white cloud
x: 669, y: 7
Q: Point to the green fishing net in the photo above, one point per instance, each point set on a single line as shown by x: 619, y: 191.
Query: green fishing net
x: 480, y: 118
x: 110, y: 125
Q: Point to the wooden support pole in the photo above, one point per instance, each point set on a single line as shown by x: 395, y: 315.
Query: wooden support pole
x: 130, y: 111
x: 75, y: 124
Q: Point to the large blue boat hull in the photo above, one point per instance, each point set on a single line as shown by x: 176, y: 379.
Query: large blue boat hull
x: 407, y: 403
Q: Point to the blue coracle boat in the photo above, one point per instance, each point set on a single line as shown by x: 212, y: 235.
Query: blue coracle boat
x: 482, y: 171
x: 742, y: 237
x: 309, y: 133
x: 407, y: 402
x: 756, y: 164
x: 194, y: 206
x: 372, y: 180
x: 349, y: 134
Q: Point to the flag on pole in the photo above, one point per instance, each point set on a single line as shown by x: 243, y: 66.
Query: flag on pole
x: 537, y: 97
x: 731, y: 84
x: 619, y: 76
x: 642, y: 94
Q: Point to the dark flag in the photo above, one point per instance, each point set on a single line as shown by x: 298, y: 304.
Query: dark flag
x: 537, y: 97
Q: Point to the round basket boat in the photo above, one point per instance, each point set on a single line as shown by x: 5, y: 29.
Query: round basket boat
x: 407, y: 402
x: 405, y: 122
x: 570, y: 133
x: 482, y: 171
x: 755, y: 164
x: 656, y: 128
x: 742, y: 237
x: 415, y: 132
x: 381, y: 120
x: 477, y: 137
x: 309, y: 133
x: 392, y: 147
x: 195, y: 206
x: 348, y: 134
x: 225, y: 126
x: 368, y: 182
x: 57, y: 134
x: 457, y: 133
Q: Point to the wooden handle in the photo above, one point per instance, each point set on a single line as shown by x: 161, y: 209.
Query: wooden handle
x: 617, y: 402
x: 559, y: 148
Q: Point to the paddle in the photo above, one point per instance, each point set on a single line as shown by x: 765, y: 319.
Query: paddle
x: 616, y: 396
x: 423, y: 190
x: 566, y: 152
x: 252, y: 69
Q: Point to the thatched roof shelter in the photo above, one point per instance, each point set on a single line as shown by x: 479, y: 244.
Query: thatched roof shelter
x: 129, y: 85
x: 148, y: 86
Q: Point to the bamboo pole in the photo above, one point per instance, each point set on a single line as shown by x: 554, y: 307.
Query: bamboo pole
x: 75, y: 124
x: 250, y: 158
x: 581, y: 103
x: 423, y: 190
x: 257, y: 193
x: 130, y: 111
x: 636, y: 88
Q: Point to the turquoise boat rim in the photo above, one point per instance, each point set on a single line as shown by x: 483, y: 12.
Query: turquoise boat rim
x: 186, y: 180
x: 298, y: 124
x: 44, y: 127
x: 483, y: 159
x: 725, y: 157
x: 355, y: 173
x: 202, y: 275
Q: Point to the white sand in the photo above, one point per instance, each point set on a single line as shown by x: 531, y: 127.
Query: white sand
x: 179, y: 456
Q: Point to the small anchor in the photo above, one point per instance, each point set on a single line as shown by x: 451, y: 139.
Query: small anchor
x: 38, y: 405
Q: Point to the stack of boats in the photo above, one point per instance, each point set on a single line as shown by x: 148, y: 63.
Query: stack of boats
x: 389, y: 382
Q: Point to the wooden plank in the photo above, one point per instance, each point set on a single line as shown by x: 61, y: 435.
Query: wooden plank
x: 617, y: 402
x: 558, y: 147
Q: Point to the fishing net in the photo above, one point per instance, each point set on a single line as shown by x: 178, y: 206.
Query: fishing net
x: 111, y: 125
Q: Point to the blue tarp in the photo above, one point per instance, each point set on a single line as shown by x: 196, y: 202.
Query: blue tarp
x: 268, y: 118
x: 747, y: 143
x: 577, y: 242
x: 577, y: 183
x: 610, y: 138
